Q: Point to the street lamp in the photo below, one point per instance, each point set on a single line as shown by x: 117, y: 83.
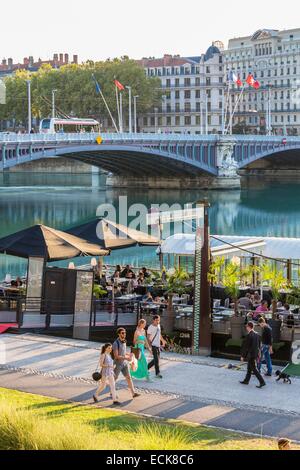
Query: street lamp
x: 130, y: 110
x: 53, y: 103
x: 29, y: 105
x: 134, y: 110
x: 155, y: 119
x: 269, y: 114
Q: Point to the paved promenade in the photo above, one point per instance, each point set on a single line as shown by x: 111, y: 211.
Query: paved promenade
x: 195, y: 389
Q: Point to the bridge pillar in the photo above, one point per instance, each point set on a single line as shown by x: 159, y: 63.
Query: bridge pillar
x: 226, y: 164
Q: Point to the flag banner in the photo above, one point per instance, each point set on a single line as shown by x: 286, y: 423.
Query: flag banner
x: 250, y: 80
x: 98, y: 88
x: 256, y: 85
x: 119, y: 85
x: 233, y: 78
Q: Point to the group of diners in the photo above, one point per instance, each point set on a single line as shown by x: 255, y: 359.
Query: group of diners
x: 257, y: 307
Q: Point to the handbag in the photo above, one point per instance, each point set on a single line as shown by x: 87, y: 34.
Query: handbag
x: 97, y: 376
x: 134, y: 364
x: 136, y: 352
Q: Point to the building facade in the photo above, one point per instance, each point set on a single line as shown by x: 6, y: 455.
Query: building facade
x: 8, y: 67
x: 273, y: 58
x: 193, y: 89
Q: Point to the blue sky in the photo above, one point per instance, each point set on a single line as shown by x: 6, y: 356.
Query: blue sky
x: 100, y: 29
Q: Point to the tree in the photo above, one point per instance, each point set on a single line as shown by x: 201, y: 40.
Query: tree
x: 76, y: 94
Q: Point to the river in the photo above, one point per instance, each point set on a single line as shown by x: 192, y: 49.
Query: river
x: 62, y: 201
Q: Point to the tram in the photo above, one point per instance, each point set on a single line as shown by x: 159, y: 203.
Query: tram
x: 57, y: 125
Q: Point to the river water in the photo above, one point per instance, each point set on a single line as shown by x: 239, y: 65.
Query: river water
x: 62, y: 201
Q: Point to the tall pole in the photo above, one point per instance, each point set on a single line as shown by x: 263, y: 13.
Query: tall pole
x: 53, y: 104
x: 201, y: 114
x: 121, y: 112
x: 206, y: 115
x: 130, y: 109
x: 118, y: 108
x: 134, y: 111
x: 29, y: 106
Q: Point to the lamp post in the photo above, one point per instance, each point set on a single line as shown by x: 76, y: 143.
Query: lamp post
x: 155, y: 119
x: 29, y: 105
x: 134, y: 110
x: 53, y: 103
x: 130, y: 110
x: 269, y: 114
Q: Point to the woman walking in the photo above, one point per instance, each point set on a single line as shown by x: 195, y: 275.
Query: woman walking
x: 107, y: 368
x: 140, y: 341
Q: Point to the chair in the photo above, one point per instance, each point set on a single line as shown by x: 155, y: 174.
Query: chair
x: 217, y: 303
x: 227, y: 303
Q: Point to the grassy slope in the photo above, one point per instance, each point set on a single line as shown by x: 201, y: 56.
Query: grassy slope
x: 90, y: 427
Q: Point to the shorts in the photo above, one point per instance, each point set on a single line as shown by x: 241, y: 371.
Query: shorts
x: 121, y: 368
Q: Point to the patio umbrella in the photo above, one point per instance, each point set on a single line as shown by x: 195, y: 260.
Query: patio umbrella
x: 48, y: 243
x: 112, y: 236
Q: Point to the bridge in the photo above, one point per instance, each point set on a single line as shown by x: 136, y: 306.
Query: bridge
x: 156, y: 155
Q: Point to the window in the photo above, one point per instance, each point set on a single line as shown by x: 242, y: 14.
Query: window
x: 145, y: 121
x: 198, y: 121
x: 168, y: 82
x: 207, y: 69
x: 169, y: 121
x: 187, y: 107
x: 177, y: 94
x: 176, y: 82
x: 197, y: 94
x: 187, y: 94
x: 208, y: 82
x: 187, y: 82
x: 187, y: 120
x: 177, y: 120
x: 197, y: 81
x: 152, y: 121
x: 177, y: 107
x: 198, y: 106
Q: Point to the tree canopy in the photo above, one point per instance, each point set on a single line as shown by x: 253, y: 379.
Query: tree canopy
x: 76, y: 92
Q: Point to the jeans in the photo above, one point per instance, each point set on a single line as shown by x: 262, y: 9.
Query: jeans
x: 265, y: 357
x: 155, y: 360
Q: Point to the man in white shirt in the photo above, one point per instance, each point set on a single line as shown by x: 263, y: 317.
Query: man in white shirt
x: 155, y: 339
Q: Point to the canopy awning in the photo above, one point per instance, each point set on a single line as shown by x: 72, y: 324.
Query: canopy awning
x: 111, y: 235
x: 184, y: 245
x: 48, y: 243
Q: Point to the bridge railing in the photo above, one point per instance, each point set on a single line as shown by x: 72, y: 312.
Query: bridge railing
x: 140, y: 137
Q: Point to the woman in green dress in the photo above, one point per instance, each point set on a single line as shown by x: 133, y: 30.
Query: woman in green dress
x: 140, y: 341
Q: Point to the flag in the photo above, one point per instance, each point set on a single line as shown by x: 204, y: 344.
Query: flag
x: 98, y: 88
x: 239, y: 81
x: 256, y: 85
x: 250, y: 80
x: 232, y: 77
x: 119, y: 85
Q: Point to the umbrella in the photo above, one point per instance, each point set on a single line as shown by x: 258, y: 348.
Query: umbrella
x: 46, y: 242
x: 112, y: 236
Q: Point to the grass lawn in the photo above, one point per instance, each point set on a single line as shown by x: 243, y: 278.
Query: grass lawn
x: 35, y: 422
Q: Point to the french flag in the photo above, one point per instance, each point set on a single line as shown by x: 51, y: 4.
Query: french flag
x: 235, y: 79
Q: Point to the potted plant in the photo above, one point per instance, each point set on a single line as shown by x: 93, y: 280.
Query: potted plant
x: 276, y: 281
x: 99, y: 292
x: 176, y: 284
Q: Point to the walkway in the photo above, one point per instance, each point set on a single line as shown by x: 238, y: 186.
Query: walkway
x: 194, y: 389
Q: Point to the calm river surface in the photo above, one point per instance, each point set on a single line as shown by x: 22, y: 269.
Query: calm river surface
x: 63, y: 201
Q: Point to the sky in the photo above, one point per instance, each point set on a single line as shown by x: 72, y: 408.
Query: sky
x: 97, y: 29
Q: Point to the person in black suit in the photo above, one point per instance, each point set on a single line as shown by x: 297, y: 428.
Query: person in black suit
x: 250, y: 352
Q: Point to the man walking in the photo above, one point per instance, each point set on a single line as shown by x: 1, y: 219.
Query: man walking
x: 121, y: 358
x: 251, y: 352
x: 155, y: 339
x: 266, y: 347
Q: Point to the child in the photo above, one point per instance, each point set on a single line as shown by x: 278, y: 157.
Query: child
x: 107, y: 368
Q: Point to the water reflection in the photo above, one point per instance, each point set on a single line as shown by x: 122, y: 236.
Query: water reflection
x: 62, y: 201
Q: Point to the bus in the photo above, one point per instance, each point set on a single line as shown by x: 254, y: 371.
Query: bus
x: 57, y: 125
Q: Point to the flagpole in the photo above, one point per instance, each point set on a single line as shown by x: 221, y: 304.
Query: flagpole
x: 98, y: 89
x: 121, y: 112
x: 118, y: 108
x: 226, y: 107
x: 234, y: 109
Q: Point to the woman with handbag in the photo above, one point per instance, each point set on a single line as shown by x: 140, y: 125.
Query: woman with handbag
x: 140, y: 342
x: 106, y: 364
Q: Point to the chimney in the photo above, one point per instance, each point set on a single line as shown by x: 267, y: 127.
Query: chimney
x: 10, y: 63
x: 66, y: 58
x: 75, y: 59
x: 61, y: 57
